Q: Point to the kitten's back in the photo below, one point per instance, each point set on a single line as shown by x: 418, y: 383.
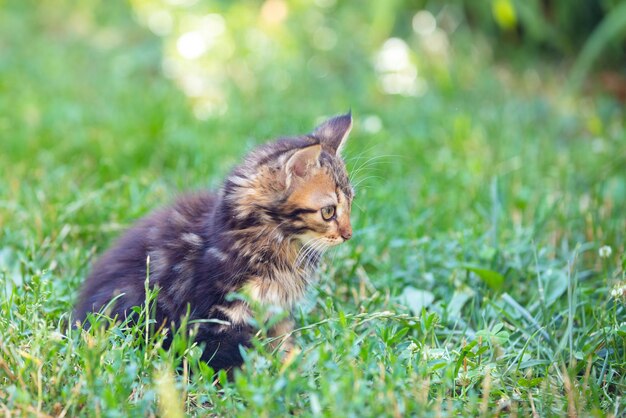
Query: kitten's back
x: 173, y: 238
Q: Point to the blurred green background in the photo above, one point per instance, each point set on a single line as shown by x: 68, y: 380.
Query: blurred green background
x: 453, y: 95
x: 488, y: 155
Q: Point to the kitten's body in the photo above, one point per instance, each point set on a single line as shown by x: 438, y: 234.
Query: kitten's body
x: 251, y: 237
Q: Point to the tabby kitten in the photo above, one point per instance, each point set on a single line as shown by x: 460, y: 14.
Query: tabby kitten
x: 261, y: 235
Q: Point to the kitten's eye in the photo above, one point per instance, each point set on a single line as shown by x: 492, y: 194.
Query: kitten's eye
x: 328, y: 212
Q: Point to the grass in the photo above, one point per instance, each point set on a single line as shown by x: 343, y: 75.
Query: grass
x: 472, y: 286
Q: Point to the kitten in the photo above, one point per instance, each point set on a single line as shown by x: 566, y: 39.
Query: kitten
x: 261, y: 235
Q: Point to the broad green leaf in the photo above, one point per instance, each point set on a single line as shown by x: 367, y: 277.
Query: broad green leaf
x: 555, y: 284
x: 416, y: 299
x: 493, y: 279
x: 458, y: 300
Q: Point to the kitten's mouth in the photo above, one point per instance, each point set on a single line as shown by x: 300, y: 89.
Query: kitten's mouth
x: 335, y: 242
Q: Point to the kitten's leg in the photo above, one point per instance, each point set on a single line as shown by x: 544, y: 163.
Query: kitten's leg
x: 221, y: 348
x: 282, y: 333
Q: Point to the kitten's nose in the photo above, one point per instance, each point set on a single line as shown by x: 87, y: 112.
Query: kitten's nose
x: 346, y: 234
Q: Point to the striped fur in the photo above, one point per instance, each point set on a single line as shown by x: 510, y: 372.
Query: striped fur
x: 262, y: 235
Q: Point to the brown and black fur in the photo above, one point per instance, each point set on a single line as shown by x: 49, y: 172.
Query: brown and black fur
x: 253, y: 237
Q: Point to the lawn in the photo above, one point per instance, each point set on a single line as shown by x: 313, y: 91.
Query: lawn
x: 484, y: 273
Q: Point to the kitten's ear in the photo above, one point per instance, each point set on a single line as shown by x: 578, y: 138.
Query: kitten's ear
x: 301, y: 163
x: 333, y: 133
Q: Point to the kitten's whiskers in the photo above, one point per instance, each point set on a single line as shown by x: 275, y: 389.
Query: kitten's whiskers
x: 304, y: 257
x: 369, y: 162
x: 366, y: 178
x: 315, y: 253
x: 304, y: 250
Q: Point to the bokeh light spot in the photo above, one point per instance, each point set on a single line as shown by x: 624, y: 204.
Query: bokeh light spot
x: 160, y: 22
x: 192, y: 45
x: 182, y: 3
x: 372, y: 124
x: 325, y: 3
x: 396, y: 73
x: 324, y: 39
x: 424, y: 23
x: 274, y: 11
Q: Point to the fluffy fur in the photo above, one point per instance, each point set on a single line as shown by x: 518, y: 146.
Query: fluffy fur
x: 261, y: 235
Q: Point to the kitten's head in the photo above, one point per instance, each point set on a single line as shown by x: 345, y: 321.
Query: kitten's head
x: 297, y: 186
x: 319, y: 194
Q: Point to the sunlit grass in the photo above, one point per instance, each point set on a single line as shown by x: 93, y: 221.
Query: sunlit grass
x: 478, y: 280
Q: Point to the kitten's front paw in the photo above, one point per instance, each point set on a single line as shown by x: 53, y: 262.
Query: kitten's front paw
x: 286, y: 345
x: 282, y: 341
x: 289, y: 352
